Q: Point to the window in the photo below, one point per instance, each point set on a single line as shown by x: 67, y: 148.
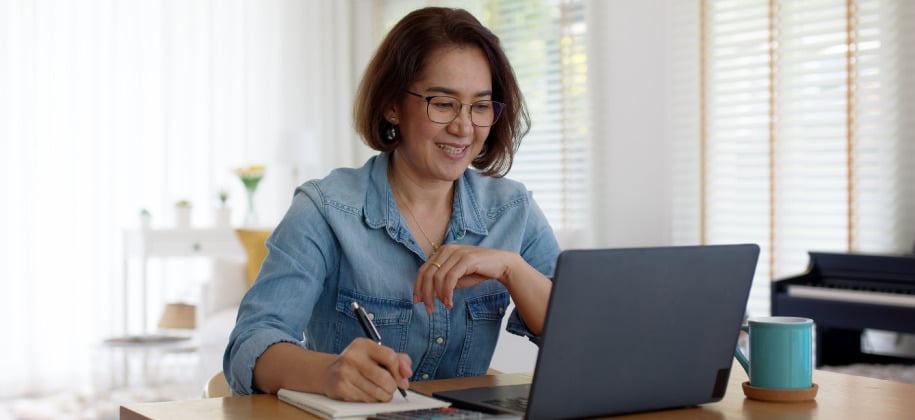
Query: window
x: 545, y: 42
x: 801, y: 141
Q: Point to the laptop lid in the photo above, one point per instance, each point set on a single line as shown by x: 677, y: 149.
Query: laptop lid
x: 630, y: 330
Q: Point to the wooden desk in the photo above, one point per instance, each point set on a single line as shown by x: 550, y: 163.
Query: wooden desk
x: 840, y: 397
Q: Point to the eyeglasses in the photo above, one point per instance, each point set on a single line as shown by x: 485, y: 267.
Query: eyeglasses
x: 444, y: 109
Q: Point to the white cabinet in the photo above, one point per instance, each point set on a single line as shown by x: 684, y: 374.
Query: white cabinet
x: 141, y: 245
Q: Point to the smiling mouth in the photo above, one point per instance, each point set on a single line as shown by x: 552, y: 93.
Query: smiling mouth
x: 451, y: 149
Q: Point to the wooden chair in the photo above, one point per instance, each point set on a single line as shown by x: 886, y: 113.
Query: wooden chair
x: 217, y: 387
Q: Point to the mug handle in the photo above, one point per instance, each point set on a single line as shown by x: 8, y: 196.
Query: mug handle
x: 744, y: 362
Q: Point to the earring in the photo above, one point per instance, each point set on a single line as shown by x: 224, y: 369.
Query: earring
x: 391, y: 133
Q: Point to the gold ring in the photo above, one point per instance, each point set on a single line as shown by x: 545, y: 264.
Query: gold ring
x: 437, y: 265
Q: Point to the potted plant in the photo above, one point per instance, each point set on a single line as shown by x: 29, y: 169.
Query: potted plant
x: 223, y: 212
x: 183, y: 214
x: 145, y: 218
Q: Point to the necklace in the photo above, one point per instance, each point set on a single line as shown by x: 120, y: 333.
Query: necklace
x: 435, y: 246
x: 403, y: 199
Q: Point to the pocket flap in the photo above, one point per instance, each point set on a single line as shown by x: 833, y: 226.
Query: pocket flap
x: 488, y: 307
x: 382, y: 312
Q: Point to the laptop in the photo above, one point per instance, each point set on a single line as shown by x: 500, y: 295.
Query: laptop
x: 631, y: 330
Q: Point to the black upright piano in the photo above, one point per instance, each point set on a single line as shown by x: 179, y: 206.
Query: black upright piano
x: 846, y: 293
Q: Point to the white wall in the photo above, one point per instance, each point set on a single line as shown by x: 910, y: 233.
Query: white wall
x: 627, y: 59
x: 631, y: 175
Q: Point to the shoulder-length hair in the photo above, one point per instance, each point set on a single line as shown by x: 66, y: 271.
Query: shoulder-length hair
x: 400, y: 60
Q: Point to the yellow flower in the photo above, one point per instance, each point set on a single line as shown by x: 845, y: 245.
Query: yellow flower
x: 250, y: 176
x: 250, y: 171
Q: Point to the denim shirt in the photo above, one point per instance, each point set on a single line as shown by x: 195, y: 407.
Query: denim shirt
x: 344, y: 240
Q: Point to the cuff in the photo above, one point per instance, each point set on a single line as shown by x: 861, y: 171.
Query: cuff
x: 240, y: 357
x: 516, y: 326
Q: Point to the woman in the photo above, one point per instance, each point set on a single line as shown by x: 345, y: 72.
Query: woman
x: 431, y: 249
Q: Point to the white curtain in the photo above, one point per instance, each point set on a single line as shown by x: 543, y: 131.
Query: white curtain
x: 108, y: 107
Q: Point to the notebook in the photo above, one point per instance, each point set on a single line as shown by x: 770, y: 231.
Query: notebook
x: 631, y: 330
x: 328, y: 408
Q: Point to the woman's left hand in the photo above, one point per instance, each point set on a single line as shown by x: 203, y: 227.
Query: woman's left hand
x: 459, y: 266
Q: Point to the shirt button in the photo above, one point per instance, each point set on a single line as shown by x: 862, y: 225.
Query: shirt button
x: 425, y: 376
x: 501, y: 310
x: 391, y: 229
x: 371, y: 316
x: 439, y: 340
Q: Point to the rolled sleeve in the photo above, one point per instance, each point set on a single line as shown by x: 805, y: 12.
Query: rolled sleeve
x: 517, y: 326
x: 239, y: 364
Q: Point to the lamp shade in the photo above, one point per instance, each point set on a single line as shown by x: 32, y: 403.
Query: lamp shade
x: 178, y: 316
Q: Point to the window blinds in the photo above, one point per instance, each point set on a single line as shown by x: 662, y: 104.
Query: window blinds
x: 545, y: 42
x: 802, y: 143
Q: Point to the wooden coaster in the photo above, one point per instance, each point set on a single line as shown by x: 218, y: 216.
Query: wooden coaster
x: 779, y: 395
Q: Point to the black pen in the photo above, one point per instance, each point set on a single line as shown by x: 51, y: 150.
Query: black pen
x: 371, y: 332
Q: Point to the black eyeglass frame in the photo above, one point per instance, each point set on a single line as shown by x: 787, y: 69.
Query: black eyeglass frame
x: 497, y: 106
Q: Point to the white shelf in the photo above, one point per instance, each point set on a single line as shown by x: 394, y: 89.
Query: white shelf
x: 144, y: 244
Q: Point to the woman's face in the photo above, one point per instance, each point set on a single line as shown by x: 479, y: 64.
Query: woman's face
x: 433, y: 151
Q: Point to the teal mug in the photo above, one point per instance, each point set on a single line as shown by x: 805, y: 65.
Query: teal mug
x: 780, y: 352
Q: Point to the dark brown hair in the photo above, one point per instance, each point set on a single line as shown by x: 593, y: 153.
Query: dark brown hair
x: 400, y: 60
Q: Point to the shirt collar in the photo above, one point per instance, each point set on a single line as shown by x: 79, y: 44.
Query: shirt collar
x: 381, y: 209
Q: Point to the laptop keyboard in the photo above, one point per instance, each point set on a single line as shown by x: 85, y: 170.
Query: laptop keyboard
x: 513, y: 403
x: 444, y: 413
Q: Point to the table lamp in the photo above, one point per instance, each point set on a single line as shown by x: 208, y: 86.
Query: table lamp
x: 178, y: 316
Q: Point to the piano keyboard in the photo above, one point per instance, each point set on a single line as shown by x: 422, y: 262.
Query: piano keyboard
x: 849, y: 295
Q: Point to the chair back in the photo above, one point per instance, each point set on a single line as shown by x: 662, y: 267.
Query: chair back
x: 217, y: 387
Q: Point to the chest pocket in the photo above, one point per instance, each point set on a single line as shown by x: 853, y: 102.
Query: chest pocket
x: 391, y: 317
x: 484, y: 321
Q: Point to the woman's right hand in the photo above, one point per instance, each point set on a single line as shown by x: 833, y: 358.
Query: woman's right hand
x: 366, y: 371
